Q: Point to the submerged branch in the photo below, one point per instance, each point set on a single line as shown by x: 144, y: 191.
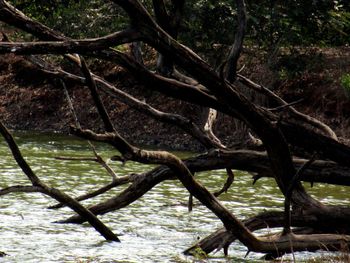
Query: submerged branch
x: 20, y: 189
x: 255, y: 162
x: 53, y: 192
x: 277, y: 245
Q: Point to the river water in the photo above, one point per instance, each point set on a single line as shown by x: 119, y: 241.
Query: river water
x: 156, y: 228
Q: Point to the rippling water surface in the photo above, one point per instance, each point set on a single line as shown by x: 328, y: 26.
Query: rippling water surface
x: 156, y: 228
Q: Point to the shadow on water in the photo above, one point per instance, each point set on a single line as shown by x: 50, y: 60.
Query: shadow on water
x: 156, y: 228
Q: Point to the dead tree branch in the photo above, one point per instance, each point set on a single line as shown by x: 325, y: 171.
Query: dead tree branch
x: 20, y: 189
x: 228, y: 183
x: 308, y: 119
x: 117, y: 182
x: 96, y: 97
x: 251, y: 161
x: 272, y: 244
x: 53, y: 192
x: 287, y: 200
x: 235, y: 52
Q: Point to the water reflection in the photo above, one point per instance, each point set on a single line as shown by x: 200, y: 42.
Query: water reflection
x: 156, y: 228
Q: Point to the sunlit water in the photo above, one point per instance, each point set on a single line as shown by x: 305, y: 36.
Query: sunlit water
x: 156, y: 228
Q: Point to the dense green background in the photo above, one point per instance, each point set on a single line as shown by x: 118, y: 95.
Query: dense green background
x: 270, y: 23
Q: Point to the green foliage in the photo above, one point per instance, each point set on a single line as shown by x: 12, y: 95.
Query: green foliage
x: 208, y: 21
x: 345, y: 83
x: 209, y: 24
x: 75, y: 18
x: 198, y: 253
x: 271, y: 23
x: 288, y: 23
x: 339, y: 27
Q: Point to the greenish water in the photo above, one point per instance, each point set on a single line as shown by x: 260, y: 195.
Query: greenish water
x: 156, y: 228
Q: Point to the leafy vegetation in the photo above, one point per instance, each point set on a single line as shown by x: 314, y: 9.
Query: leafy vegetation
x: 345, y: 83
x: 270, y: 23
x: 95, y: 18
x: 299, y: 23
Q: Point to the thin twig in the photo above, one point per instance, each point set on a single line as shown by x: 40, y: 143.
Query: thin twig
x: 98, y: 158
x: 286, y: 105
x: 70, y: 104
x: 102, y: 190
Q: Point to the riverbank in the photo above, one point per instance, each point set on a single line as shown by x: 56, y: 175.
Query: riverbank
x: 31, y: 100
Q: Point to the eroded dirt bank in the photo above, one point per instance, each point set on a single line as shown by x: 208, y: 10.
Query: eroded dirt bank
x: 30, y: 100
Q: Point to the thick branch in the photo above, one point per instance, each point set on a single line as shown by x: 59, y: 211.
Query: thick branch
x: 161, y: 14
x: 208, y: 127
x: 170, y: 22
x: 276, y: 245
x: 288, y: 195
x: 70, y: 46
x: 266, y: 220
x: 96, y: 97
x: 256, y: 162
x: 300, y: 116
x: 20, y: 189
x: 18, y: 156
x: 232, y: 60
x: 183, y: 174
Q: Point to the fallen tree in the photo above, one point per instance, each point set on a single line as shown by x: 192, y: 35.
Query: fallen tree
x: 280, y: 129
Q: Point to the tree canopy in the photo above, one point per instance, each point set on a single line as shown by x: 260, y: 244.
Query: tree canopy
x: 269, y: 23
